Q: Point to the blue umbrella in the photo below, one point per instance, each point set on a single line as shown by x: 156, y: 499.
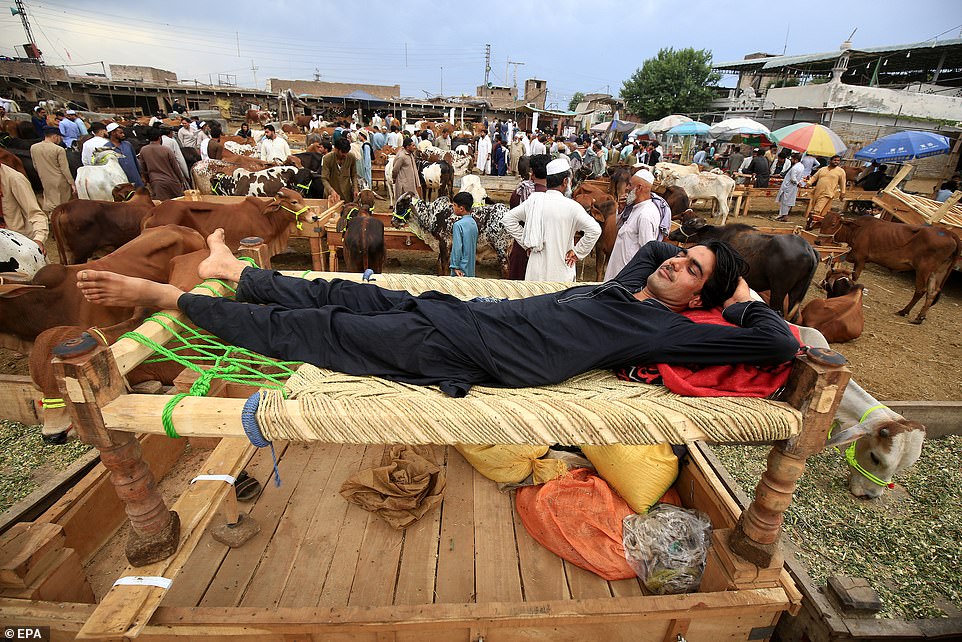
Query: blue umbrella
x: 904, y: 146
x: 691, y: 128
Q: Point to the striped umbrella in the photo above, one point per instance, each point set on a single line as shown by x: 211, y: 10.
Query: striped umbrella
x: 816, y: 140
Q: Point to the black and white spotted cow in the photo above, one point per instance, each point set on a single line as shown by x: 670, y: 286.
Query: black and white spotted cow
x: 434, y: 223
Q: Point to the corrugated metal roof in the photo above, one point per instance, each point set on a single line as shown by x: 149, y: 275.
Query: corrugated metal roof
x: 776, y: 62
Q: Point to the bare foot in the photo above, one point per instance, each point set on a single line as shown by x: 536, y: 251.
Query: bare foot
x: 221, y: 264
x: 117, y: 290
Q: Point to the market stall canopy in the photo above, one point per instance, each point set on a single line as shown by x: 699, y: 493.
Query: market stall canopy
x: 734, y: 126
x: 904, y: 146
x: 668, y: 122
x: 816, y: 140
x: 691, y: 128
x: 617, y: 126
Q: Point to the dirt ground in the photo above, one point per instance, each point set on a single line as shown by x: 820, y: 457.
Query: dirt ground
x: 893, y: 359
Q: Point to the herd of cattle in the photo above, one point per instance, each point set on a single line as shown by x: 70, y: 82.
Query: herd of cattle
x: 165, y: 242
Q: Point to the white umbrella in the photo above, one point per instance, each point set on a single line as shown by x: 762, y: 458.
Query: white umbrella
x: 730, y: 127
x: 668, y: 122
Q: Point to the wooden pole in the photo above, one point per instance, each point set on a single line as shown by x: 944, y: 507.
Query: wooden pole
x: 89, y: 378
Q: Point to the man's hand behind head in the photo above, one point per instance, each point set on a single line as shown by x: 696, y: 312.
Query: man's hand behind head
x: 742, y: 293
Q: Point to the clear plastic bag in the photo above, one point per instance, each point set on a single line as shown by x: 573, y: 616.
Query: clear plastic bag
x: 667, y: 548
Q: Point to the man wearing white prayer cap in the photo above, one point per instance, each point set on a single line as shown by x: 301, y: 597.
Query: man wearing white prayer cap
x: 551, y: 221
x: 637, y: 224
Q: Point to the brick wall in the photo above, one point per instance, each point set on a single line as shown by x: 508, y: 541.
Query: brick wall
x: 138, y: 73
x: 318, y: 88
x: 29, y: 70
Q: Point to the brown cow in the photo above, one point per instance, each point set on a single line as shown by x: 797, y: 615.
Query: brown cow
x: 56, y: 421
x: 930, y: 251
x: 363, y: 238
x: 304, y: 122
x: 81, y: 227
x: 839, y: 317
x: 269, y: 220
x: 12, y: 160
x: 51, y: 297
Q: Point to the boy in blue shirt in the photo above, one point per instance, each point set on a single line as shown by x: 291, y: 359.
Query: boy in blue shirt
x: 464, y: 236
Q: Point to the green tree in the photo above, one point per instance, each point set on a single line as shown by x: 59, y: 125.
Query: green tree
x: 577, y: 98
x: 673, y: 82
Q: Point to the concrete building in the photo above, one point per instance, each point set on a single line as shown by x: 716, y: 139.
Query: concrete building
x: 861, y: 94
x: 136, y: 73
x: 498, y: 96
x: 319, y: 88
x: 535, y: 92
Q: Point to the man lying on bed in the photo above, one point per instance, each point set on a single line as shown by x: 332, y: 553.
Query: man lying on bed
x: 438, y: 339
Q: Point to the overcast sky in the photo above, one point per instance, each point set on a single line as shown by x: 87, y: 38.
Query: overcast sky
x: 588, y: 46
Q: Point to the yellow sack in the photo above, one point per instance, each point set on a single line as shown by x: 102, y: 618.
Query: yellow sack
x: 640, y: 474
x: 512, y: 463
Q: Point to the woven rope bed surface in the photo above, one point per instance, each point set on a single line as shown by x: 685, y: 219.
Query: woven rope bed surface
x: 593, y: 408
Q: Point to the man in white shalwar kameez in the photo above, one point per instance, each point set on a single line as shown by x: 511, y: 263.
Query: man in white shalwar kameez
x: 637, y: 225
x: 550, y: 223
x: 484, y: 154
x: 788, y: 192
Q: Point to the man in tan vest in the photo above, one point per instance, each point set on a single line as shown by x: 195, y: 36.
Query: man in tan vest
x: 50, y: 161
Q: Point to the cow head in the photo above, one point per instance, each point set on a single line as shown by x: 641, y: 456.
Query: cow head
x: 831, y: 223
x: 293, y: 203
x: 403, y: 209
x: 837, y: 282
x: 878, y: 451
x: 689, y: 230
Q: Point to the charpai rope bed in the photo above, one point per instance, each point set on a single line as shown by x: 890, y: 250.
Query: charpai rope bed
x: 594, y: 408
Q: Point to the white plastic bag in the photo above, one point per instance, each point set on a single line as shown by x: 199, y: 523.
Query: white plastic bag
x: 667, y: 548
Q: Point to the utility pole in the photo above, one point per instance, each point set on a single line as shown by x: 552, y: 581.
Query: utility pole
x: 35, y: 52
x: 317, y: 74
x: 516, y: 65
x: 254, y: 72
x: 487, y: 64
x: 441, y: 92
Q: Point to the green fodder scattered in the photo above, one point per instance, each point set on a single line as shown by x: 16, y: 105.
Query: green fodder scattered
x: 907, y: 544
x: 26, y: 462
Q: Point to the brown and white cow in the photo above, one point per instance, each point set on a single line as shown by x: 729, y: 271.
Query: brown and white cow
x: 930, y: 251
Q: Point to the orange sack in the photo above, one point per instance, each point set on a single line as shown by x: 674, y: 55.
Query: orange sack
x: 578, y: 518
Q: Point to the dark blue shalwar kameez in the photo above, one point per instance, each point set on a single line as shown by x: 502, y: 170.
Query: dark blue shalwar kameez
x: 438, y: 339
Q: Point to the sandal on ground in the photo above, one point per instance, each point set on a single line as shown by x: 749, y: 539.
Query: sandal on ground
x: 246, y: 487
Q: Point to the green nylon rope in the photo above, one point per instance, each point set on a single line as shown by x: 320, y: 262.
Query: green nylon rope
x: 222, y: 361
x: 249, y: 260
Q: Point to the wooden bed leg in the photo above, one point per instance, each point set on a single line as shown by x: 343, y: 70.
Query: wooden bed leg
x: 89, y: 378
x: 815, y: 389
x: 317, y: 254
x: 253, y: 247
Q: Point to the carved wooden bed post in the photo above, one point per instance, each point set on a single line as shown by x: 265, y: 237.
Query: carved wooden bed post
x: 815, y: 388
x: 89, y: 379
